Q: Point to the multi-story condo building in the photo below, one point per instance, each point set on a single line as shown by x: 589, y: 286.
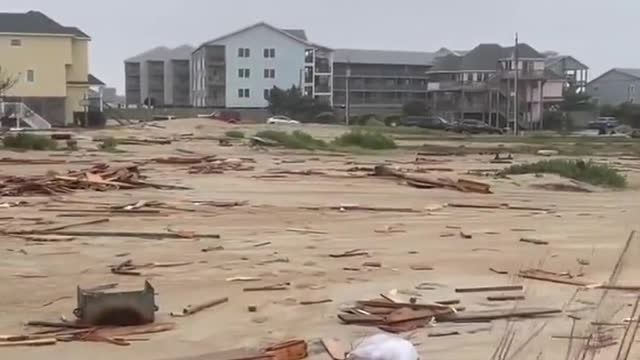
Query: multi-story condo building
x: 481, y: 84
x: 238, y: 70
x: 160, y: 76
x: 377, y: 79
x: 51, y: 63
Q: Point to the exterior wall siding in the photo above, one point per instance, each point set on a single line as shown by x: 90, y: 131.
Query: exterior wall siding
x: 615, y: 88
x: 288, y: 63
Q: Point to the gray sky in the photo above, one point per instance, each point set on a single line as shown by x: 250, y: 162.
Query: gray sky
x: 597, y: 32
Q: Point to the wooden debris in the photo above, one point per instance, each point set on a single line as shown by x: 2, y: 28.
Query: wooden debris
x: 505, y: 297
x: 315, y: 302
x: 350, y: 207
x: 424, y: 182
x: 81, y: 223
x: 37, y: 342
x: 276, y: 287
x: 534, y: 241
x: 100, y: 177
x: 491, y: 288
x: 213, y: 248
x: 336, y: 349
x: 219, y: 166
x: 542, y: 275
x: 489, y: 315
x: 51, y: 302
x: 94, y: 233
x: 497, y: 206
x: 192, y: 309
x: 47, y: 238
x: 243, y: 279
x: 262, y: 244
x: 373, y: 264
x: 421, y: 267
x: 500, y: 272
x: 443, y: 333
x: 350, y: 253
x: 288, y: 350
x: 465, y: 235
x: 307, y: 231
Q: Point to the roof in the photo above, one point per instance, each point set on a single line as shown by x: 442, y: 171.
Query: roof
x: 295, y: 34
x: 182, y: 52
x: 483, y: 57
x: 299, y: 33
x: 391, y: 57
x: 35, y: 22
x: 94, y: 80
x: 632, y: 72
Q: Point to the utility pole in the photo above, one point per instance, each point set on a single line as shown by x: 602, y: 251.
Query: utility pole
x: 515, y: 85
x: 347, y: 103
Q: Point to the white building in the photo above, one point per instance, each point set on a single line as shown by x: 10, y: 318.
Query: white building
x: 239, y: 69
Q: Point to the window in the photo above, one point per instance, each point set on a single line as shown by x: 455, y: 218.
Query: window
x: 267, y: 94
x: 247, y: 94
x: 16, y: 42
x: 240, y: 93
x: 269, y: 52
x: 244, y: 93
x: 269, y: 73
x: 244, y: 73
x: 244, y: 52
x: 31, y: 75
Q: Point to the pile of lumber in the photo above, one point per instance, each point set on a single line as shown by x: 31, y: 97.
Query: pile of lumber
x: 71, y: 331
x: 423, y: 182
x: 397, y: 317
x: 394, y: 317
x: 100, y: 177
x: 219, y: 166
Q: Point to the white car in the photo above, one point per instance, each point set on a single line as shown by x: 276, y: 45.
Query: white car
x: 281, y: 119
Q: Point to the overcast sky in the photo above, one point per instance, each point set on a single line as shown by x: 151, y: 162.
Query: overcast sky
x: 600, y: 33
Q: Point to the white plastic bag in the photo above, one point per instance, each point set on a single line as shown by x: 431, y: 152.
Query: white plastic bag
x: 384, y: 347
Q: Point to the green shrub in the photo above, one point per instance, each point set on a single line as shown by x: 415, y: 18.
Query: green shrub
x: 108, y: 144
x: 366, y: 140
x: 295, y: 140
x: 373, y: 122
x: 235, y: 134
x: 28, y: 141
x: 589, y: 172
x: 326, y: 118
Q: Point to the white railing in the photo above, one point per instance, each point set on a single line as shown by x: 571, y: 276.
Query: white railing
x: 22, y: 115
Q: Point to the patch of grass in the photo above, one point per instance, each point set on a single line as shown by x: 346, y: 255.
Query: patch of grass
x: 109, y: 144
x: 588, y: 172
x: 365, y: 140
x: 26, y: 141
x: 234, y: 134
x: 295, y: 140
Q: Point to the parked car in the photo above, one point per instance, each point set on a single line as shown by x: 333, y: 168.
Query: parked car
x: 229, y: 116
x: 472, y: 126
x: 281, y: 119
x: 604, y: 122
x: 426, y: 122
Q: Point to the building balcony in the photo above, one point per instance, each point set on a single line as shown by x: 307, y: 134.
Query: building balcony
x: 324, y: 89
x: 457, y: 86
x: 323, y: 69
x: 523, y: 74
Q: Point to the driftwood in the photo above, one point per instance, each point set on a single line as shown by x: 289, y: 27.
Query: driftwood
x: 192, y: 309
x: 426, y: 182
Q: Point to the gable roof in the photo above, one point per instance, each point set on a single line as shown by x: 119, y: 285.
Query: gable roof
x: 182, y: 52
x: 483, y: 57
x: 632, y: 72
x: 35, y: 22
x: 299, y: 33
x: 359, y: 56
x: 94, y: 80
x: 289, y: 34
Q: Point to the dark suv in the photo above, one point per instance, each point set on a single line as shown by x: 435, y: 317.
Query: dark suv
x: 471, y: 126
x: 426, y: 122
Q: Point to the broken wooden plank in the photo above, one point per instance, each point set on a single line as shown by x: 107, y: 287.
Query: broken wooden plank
x: 534, y: 241
x: 541, y: 275
x: 336, y: 349
x: 36, y: 342
x: 316, y: 302
x: 107, y: 233
x: 192, y: 309
x: 276, y: 287
x: 500, y: 272
x: 489, y: 315
x: 350, y: 253
x: 421, y: 267
x: 491, y: 288
x: 80, y: 223
x: 307, y: 231
x: 506, y: 298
